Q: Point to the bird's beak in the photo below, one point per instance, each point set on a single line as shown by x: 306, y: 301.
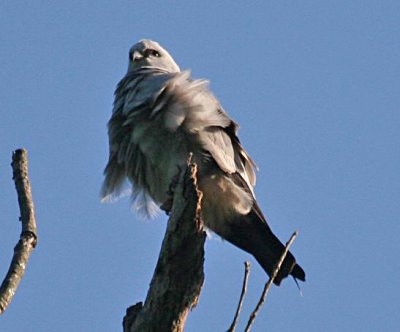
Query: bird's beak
x: 136, y: 56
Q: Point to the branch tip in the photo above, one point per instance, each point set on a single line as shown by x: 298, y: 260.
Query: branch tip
x: 28, y: 238
x: 269, y: 282
x: 242, y: 295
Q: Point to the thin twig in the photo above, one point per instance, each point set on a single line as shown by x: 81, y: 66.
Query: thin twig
x: 269, y: 283
x: 28, y: 237
x: 244, y: 289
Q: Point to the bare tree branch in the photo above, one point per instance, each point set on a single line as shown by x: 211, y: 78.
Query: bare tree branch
x: 269, y: 283
x: 28, y: 237
x: 179, y: 275
x: 240, y: 304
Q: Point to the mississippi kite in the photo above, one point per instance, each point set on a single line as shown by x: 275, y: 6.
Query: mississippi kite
x: 160, y: 116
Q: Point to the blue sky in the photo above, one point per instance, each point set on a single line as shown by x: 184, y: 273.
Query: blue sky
x: 315, y: 88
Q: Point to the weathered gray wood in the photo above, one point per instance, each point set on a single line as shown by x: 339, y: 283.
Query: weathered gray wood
x: 28, y: 237
x: 179, y: 276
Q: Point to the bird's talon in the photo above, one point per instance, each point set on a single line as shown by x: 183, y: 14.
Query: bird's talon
x: 167, y: 205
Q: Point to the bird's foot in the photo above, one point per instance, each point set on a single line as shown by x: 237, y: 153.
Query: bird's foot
x: 167, y: 205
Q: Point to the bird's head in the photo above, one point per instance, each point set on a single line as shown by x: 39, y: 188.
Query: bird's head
x: 147, y: 53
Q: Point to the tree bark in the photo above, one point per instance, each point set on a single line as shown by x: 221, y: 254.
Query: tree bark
x: 179, y: 275
x: 28, y: 237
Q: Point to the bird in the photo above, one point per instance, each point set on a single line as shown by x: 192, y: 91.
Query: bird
x: 160, y: 116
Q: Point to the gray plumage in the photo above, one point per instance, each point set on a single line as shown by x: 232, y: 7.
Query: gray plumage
x: 160, y: 116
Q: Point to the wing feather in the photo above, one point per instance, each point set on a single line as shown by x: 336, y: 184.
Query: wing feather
x: 152, y: 101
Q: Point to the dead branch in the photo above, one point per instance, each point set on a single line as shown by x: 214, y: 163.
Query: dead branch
x: 28, y: 237
x: 269, y: 283
x: 179, y: 275
x: 240, y: 304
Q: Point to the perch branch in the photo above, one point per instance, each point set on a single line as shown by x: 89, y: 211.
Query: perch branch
x: 269, y: 283
x: 28, y: 237
x: 244, y: 289
x: 179, y: 276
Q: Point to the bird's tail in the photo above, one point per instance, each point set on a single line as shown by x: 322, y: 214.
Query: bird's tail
x: 253, y: 235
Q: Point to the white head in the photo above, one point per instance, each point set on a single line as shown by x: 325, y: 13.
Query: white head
x: 147, y: 53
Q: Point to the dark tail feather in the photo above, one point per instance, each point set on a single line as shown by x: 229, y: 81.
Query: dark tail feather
x: 298, y: 273
x: 252, y: 234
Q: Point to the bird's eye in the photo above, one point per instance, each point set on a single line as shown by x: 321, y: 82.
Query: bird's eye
x: 150, y: 52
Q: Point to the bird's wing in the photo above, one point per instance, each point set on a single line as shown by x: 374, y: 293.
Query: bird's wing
x: 203, y: 116
x: 133, y: 97
x: 149, y: 101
